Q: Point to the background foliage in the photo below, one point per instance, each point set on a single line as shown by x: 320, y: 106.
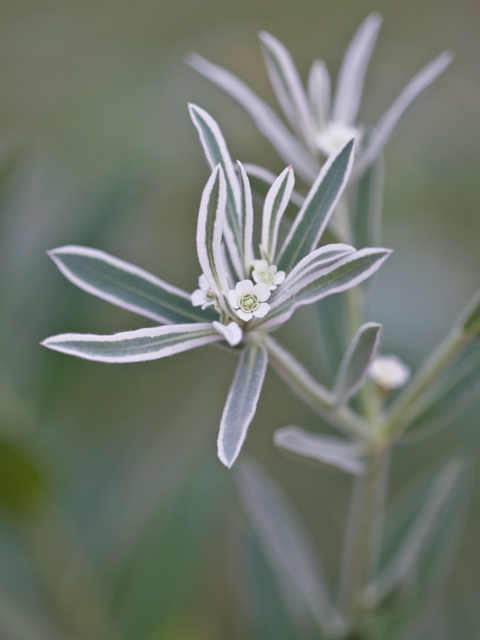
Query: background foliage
x: 115, y: 512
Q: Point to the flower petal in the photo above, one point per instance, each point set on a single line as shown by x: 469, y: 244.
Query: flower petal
x: 262, y: 310
x: 231, y: 332
x: 244, y: 286
x: 233, y: 298
x: 262, y: 291
x: 203, y: 283
x: 243, y: 315
x: 198, y: 298
x: 280, y: 277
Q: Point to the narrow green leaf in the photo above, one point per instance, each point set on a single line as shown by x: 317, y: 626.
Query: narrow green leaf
x: 127, y: 286
x: 367, y: 214
x: 356, y: 362
x: 318, y: 207
x: 241, y: 402
x: 274, y: 207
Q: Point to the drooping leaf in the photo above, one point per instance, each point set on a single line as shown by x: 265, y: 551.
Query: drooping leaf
x: 269, y: 124
x: 329, y: 451
x: 353, y: 70
x: 241, y: 402
x: 319, y: 205
x: 135, y: 346
x: 367, y: 213
x: 356, y: 362
x: 217, y: 153
x: 127, y: 286
x: 276, y: 202
x: 285, y: 543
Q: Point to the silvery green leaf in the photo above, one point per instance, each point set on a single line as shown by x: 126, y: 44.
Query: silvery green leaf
x: 469, y: 321
x: 241, y: 402
x: 453, y: 393
x: 319, y: 258
x: 317, y: 284
x: 319, y: 92
x: 329, y: 451
x: 261, y: 181
x: 135, y: 346
x: 356, y: 362
x: 276, y: 202
x: 351, y: 77
x: 210, y: 227
x: 285, y: 543
x: 319, y: 205
x: 247, y: 221
x: 216, y: 151
x: 288, y: 87
x: 367, y: 213
x: 391, y: 117
x: 127, y: 286
x: 267, y: 121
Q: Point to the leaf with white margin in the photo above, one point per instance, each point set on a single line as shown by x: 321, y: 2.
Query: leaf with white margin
x: 276, y: 202
x: 329, y: 451
x: 286, y: 544
x: 241, y: 402
x: 321, y: 257
x: 135, y: 346
x: 262, y: 179
x: 356, y: 362
x: 216, y: 152
x: 288, y: 87
x: 210, y: 231
x: 317, y: 284
x: 231, y: 332
x: 127, y: 286
x: 352, y: 73
x: 247, y: 221
x: 391, y: 117
x: 266, y: 120
x: 319, y: 205
x: 319, y: 90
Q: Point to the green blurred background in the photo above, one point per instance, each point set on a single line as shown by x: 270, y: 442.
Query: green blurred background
x: 137, y: 529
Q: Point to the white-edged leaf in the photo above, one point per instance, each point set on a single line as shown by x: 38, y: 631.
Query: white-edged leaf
x: 321, y: 257
x: 261, y: 180
x: 216, y: 152
x: 288, y: 87
x: 319, y: 90
x: 329, y: 451
x: 210, y: 226
x: 286, y: 544
x: 127, y: 286
x: 391, y: 117
x: 356, y: 362
x: 135, y: 346
x: 266, y: 120
x: 317, y: 284
x: 276, y: 202
x: 241, y: 402
x: 247, y: 221
x: 351, y: 77
x: 319, y: 205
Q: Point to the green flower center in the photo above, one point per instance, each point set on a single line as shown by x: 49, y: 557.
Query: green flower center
x: 267, y: 277
x: 248, y: 302
x: 209, y: 295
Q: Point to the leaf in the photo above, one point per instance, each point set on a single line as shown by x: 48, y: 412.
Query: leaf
x: 269, y: 124
x: 127, y: 286
x: 247, y: 221
x: 135, y: 346
x: 332, y: 452
x: 319, y: 92
x: 288, y: 87
x: 22, y: 481
x: 469, y: 321
x: 241, y: 402
x: 319, y: 205
x: 317, y: 284
x: 356, y: 362
x: 261, y: 181
x: 216, y: 151
x: 391, y: 117
x: 367, y: 214
x: 285, y: 543
x: 319, y: 258
x: 210, y: 231
x: 276, y: 202
x: 353, y: 70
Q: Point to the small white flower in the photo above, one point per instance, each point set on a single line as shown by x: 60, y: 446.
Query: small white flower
x: 333, y: 136
x: 267, y: 274
x: 248, y: 299
x: 204, y: 296
x: 232, y: 333
x: 389, y: 372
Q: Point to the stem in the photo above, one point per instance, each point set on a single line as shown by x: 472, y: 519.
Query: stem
x: 313, y: 393
x: 362, y: 537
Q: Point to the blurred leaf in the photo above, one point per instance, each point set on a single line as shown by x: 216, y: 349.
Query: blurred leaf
x: 17, y: 623
x: 21, y: 480
x: 367, y: 211
x: 286, y: 545
x: 332, y: 333
x: 469, y: 320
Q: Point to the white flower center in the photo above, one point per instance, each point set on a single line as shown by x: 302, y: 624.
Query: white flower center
x: 267, y: 276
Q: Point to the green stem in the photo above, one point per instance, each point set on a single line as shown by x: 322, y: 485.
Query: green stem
x: 362, y: 537
x: 313, y: 393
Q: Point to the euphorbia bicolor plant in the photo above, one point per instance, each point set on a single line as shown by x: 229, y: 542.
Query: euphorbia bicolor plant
x: 244, y: 294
